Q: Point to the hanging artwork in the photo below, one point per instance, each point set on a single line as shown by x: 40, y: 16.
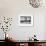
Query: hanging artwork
x: 25, y: 20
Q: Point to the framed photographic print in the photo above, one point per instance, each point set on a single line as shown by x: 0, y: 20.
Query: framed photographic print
x: 25, y: 20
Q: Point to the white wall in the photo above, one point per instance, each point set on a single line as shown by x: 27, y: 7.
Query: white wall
x: 13, y: 8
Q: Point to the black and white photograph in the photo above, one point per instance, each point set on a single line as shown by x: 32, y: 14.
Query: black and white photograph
x: 26, y: 20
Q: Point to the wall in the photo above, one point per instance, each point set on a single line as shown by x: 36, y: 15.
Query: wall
x: 13, y: 8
